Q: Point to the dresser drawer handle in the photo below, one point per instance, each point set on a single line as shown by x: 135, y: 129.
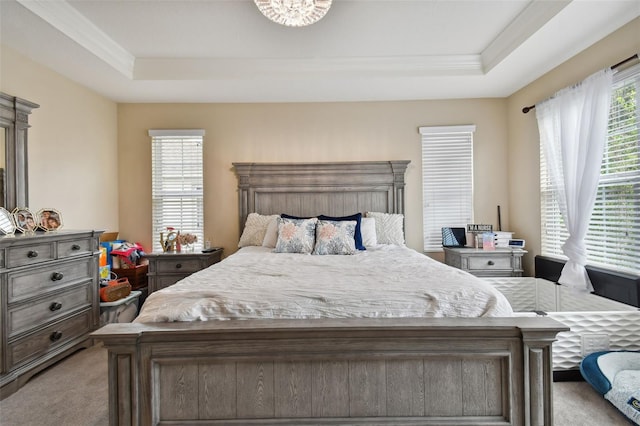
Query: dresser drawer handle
x: 56, y: 335
x: 178, y: 265
x: 75, y: 247
x: 55, y: 306
x: 490, y: 263
x: 32, y: 254
x: 56, y: 276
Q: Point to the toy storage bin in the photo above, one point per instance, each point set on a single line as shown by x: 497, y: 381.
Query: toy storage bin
x: 123, y: 310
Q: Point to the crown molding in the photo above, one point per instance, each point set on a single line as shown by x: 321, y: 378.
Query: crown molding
x: 528, y: 22
x: 66, y: 19
x: 290, y: 68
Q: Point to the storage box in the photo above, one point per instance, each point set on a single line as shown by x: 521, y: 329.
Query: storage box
x: 123, y: 310
x: 137, y: 276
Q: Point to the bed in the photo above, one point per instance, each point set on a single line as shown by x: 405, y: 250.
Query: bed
x: 331, y: 369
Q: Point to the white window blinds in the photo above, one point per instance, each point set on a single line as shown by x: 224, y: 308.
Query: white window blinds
x: 447, y: 181
x: 613, y: 238
x: 177, y: 183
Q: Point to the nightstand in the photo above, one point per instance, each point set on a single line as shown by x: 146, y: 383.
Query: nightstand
x: 168, y: 268
x: 486, y: 263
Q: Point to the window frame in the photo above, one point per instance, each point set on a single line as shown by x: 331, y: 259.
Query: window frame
x: 184, y: 189
x: 447, y: 162
x: 604, y: 240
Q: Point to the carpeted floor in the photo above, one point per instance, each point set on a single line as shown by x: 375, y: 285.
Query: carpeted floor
x: 74, y: 393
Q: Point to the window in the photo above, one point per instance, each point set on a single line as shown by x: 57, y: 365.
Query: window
x: 447, y: 181
x: 177, y: 183
x: 613, y: 238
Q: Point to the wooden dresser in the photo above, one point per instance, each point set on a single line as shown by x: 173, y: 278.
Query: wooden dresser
x: 48, y: 299
x: 168, y: 268
x: 486, y: 263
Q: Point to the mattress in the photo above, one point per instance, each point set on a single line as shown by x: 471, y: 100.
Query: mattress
x: 596, y: 323
x: 385, y: 281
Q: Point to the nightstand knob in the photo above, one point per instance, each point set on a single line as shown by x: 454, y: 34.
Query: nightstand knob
x: 178, y: 265
x: 56, y: 335
x: 32, y: 254
x: 56, y: 276
x: 75, y: 247
x: 490, y: 263
x: 55, y: 306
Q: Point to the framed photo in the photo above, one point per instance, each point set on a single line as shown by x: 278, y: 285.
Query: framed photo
x: 7, y: 226
x: 49, y: 219
x: 24, y: 220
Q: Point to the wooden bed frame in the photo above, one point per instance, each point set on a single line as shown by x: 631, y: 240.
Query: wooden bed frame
x: 444, y: 371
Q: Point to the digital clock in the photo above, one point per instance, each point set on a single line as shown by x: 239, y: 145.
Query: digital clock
x: 516, y: 243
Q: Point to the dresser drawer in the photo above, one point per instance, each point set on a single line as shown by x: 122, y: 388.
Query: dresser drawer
x: 27, y: 316
x: 179, y: 266
x: 29, y: 255
x: 44, y: 279
x: 37, y: 344
x: 487, y: 263
x: 74, y: 248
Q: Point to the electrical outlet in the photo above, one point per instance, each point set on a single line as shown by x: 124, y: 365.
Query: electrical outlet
x: 592, y: 342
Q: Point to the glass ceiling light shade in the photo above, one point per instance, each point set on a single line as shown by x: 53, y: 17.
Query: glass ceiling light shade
x: 294, y: 13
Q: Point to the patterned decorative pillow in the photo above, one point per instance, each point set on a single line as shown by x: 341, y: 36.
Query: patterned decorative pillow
x: 335, y: 237
x: 389, y: 227
x: 368, y: 228
x: 296, y: 235
x: 255, y: 229
x: 358, y: 234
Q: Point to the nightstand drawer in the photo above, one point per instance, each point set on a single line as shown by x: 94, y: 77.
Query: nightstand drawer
x: 29, y: 255
x: 27, y: 316
x: 179, y: 266
x: 490, y: 262
x: 41, y: 342
x: 44, y: 279
x: 167, y: 280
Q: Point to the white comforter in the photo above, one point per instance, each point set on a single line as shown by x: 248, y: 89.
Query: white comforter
x: 381, y: 282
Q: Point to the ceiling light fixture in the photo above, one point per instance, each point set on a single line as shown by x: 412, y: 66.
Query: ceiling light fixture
x: 294, y: 13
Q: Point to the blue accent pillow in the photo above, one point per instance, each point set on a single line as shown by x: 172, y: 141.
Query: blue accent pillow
x: 288, y: 216
x: 358, y: 234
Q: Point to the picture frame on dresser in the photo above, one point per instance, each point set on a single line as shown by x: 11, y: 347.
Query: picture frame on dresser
x: 7, y: 225
x: 24, y: 219
x: 49, y: 219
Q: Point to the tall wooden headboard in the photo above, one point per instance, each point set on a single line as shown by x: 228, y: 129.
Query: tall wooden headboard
x: 309, y: 189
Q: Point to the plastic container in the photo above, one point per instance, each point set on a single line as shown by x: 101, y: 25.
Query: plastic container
x: 123, y: 310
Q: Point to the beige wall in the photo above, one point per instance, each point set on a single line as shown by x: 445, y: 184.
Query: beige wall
x: 72, y: 144
x: 305, y: 132
x: 523, y: 153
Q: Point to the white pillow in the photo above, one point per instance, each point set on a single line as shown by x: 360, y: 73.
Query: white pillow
x: 389, y: 227
x: 368, y: 231
x: 271, y: 236
x: 255, y: 229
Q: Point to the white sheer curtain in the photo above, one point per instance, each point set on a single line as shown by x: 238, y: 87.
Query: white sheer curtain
x: 573, y: 134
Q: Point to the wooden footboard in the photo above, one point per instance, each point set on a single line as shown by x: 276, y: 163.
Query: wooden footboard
x: 489, y: 371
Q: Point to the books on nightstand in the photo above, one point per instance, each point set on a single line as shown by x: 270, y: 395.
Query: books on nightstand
x: 501, y: 238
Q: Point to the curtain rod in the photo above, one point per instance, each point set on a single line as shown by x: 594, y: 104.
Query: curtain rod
x: 613, y: 67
